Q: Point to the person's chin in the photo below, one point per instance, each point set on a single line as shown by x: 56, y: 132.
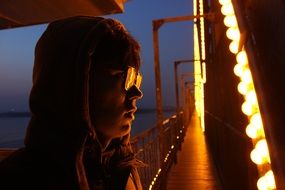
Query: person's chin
x: 126, y: 128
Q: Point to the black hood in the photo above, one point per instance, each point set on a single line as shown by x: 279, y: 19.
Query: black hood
x: 59, y: 99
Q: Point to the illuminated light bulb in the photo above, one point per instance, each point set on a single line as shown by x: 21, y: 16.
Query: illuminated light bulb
x: 259, y: 154
x: 238, y: 69
x: 256, y: 120
x: 224, y: 2
x: 230, y: 21
x: 254, y: 131
x: 266, y: 182
x: 246, y: 76
x: 234, y: 45
x: 262, y: 148
x: 251, y: 131
x: 270, y: 179
x: 251, y: 97
x: 165, y: 121
x: 243, y: 88
x: 233, y: 33
x: 262, y: 184
x: 247, y: 108
x: 242, y: 57
x: 227, y: 9
x: 255, y: 157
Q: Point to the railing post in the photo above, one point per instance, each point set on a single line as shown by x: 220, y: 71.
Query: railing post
x: 155, y: 26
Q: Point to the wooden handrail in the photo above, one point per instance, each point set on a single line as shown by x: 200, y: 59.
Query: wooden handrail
x: 5, y: 152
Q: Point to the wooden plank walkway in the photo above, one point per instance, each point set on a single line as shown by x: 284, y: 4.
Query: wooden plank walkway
x: 194, y: 169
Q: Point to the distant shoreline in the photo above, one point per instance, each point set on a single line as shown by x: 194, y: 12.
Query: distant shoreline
x: 15, y: 114
x: 28, y: 114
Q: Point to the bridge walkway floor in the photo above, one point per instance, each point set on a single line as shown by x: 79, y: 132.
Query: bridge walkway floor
x: 195, y: 168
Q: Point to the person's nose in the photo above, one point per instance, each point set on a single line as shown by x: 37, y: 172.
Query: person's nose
x: 135, y: 93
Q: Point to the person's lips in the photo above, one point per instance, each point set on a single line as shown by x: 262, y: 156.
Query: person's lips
x: 131, y: 113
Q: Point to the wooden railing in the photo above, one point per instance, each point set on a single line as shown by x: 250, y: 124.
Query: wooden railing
x: 5, y: 152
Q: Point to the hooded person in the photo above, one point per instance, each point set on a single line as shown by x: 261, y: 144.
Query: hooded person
x: 85, y: 87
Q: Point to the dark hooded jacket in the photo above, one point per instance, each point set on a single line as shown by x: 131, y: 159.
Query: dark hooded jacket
x: 61, y: 149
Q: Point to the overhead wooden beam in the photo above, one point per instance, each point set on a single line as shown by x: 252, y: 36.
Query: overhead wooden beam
x: 16, y: 13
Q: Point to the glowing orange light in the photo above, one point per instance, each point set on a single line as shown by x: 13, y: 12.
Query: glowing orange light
x: 246, y: 76
x: 251, y: 97
x: 243, y: 88
x: 234, y: 45
x: 227, y: 9
x: 254, y: 131
x: 270, y: 179
x: 230, y: 21
x: 255, y: 157
x: 165, y: 121
x: 260, y: 154
x: 247, y: 108
x: 260, y: 133
x: 262, y: 148
x: 242, y: 57
x: 262, y: 184
x: 239, y: 69
x: 251, y: 131
x: 233, y: 33
x: 224, y: 2
x: 256, y: 120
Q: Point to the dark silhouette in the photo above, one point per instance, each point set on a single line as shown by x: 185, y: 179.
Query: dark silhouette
x: 85, y: 87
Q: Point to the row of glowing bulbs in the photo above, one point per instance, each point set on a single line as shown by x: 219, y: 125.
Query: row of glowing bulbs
x: 165, y: 159
x: 254, y: 129
x: 260, y: 154
x: 202, y: 34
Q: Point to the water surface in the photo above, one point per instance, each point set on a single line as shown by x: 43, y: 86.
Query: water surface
x: 13, y: 129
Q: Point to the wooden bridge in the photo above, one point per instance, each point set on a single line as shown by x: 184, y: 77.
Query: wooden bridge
x: 194, y: 168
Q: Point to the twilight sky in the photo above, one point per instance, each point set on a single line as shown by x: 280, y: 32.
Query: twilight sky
x: 176, y: 39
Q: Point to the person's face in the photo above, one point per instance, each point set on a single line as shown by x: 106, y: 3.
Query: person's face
x: 114, y: 105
